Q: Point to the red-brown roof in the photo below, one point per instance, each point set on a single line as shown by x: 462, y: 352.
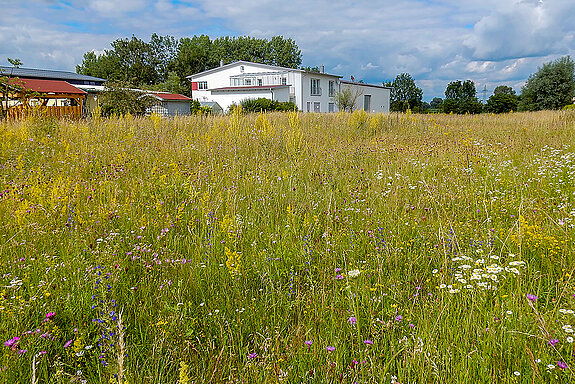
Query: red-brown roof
x: 48, y: 86
x: 171, y: 96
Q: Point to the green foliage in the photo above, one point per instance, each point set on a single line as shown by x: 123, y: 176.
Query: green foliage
x: 504, y: 90
x: 142, y: 63
x: 502, y: 103
x: 551, y: 87
x: 436, y: 105
x: 460, y: 97
x: 118, y: 99
x: 405, y: 94
x: 197, y: 109
x: 266, y: 105
x: 346, y: 98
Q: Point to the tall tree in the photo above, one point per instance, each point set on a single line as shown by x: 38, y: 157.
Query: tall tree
x: 503, y: 100
x: 141, y: 63
x: 405, y: 94
x: 460, y: 97
x: 551, y: 87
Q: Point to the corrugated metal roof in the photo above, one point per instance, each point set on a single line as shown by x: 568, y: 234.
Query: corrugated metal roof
x: 172, y: 96
x: 48, y: 86
x: 47, y: 74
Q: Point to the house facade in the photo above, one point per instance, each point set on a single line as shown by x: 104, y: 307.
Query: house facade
x: 309, y: 91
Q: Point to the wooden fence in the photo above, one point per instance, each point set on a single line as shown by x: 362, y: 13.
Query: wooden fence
x: 19, y: 111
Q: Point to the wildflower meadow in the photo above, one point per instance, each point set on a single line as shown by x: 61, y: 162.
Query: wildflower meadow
x: 289, y: 247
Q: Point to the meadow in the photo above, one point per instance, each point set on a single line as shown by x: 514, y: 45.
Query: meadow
x: 296, y: 248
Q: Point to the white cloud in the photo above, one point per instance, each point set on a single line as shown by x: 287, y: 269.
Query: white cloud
x: 490, y: 42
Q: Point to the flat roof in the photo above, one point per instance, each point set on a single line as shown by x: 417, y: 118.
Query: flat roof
x: 364, y: 84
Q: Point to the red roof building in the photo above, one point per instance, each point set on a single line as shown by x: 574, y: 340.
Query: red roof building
x: 50, y: 87
x: 171, y: 97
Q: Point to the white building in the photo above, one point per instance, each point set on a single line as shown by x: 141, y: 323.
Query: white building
x: 310, y: 91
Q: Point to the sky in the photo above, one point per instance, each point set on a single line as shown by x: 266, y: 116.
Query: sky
x: 492, y: 42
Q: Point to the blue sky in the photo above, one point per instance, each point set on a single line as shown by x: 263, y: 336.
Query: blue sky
x: 491, y: 42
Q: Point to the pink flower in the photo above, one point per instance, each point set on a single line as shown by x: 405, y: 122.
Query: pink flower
x: 330, y: 348
x: 552, y: 342
x: 398, y: 318
x: 308, y: 343
x: 368, y: 342
x: 562, y: 365
x: 352, y: 320
x: 253, y: 355
x: 533, y: 298
x: 12, y: 342
x: 68, y: 343
x: 339, y: 277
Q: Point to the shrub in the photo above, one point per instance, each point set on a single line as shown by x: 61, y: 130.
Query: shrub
x: 265, y: 105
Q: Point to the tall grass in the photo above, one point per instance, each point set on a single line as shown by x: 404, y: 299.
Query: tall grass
x: 288, y: 247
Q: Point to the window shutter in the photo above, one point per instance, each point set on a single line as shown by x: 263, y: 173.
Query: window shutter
x: 194, y: 85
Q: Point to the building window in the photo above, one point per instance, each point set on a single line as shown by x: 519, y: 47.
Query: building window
x: 366, y: 102
x: 309, y: 106
x: 315, y: 89
x: 284, y: 81
x: 202, y: 85
x: 260, y: 82
x: 331, y: 88
x: 247, y: 81
x: 331, y: 107
x: 316, y: 106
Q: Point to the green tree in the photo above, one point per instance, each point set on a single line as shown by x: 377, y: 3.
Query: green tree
x: 503, y: 90
x: 405, y: 94
x: 6, y: 83
x: 119, y: 99
x: 503, y: 100
x: 460, y: 97
x: 551, y: 87
x: 346, y: 98
x: 436, y: 104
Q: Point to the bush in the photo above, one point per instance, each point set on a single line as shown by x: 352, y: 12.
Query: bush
x: 266, y: 105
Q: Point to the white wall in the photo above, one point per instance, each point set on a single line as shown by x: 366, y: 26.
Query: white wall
x: 299, y: 90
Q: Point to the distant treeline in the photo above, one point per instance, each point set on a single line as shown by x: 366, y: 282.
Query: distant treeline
x: 164, y: 61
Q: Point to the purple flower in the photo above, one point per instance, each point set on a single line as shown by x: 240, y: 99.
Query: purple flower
x: 352, y: 320
x: 68, y: 343
x: 330, y: 348
x: 339, y: 277
x: 412, y: 325
x: 531, y: 297
x: 22, y: 351
x: 562, y: 365
x: 10, y: 343
x: 552, y: 342
x: 337, y: 270
x: 308, y: 343
x: 253, y: 355
x: 50, y: 315
x: 368, y: 342
x: 398, y: 318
